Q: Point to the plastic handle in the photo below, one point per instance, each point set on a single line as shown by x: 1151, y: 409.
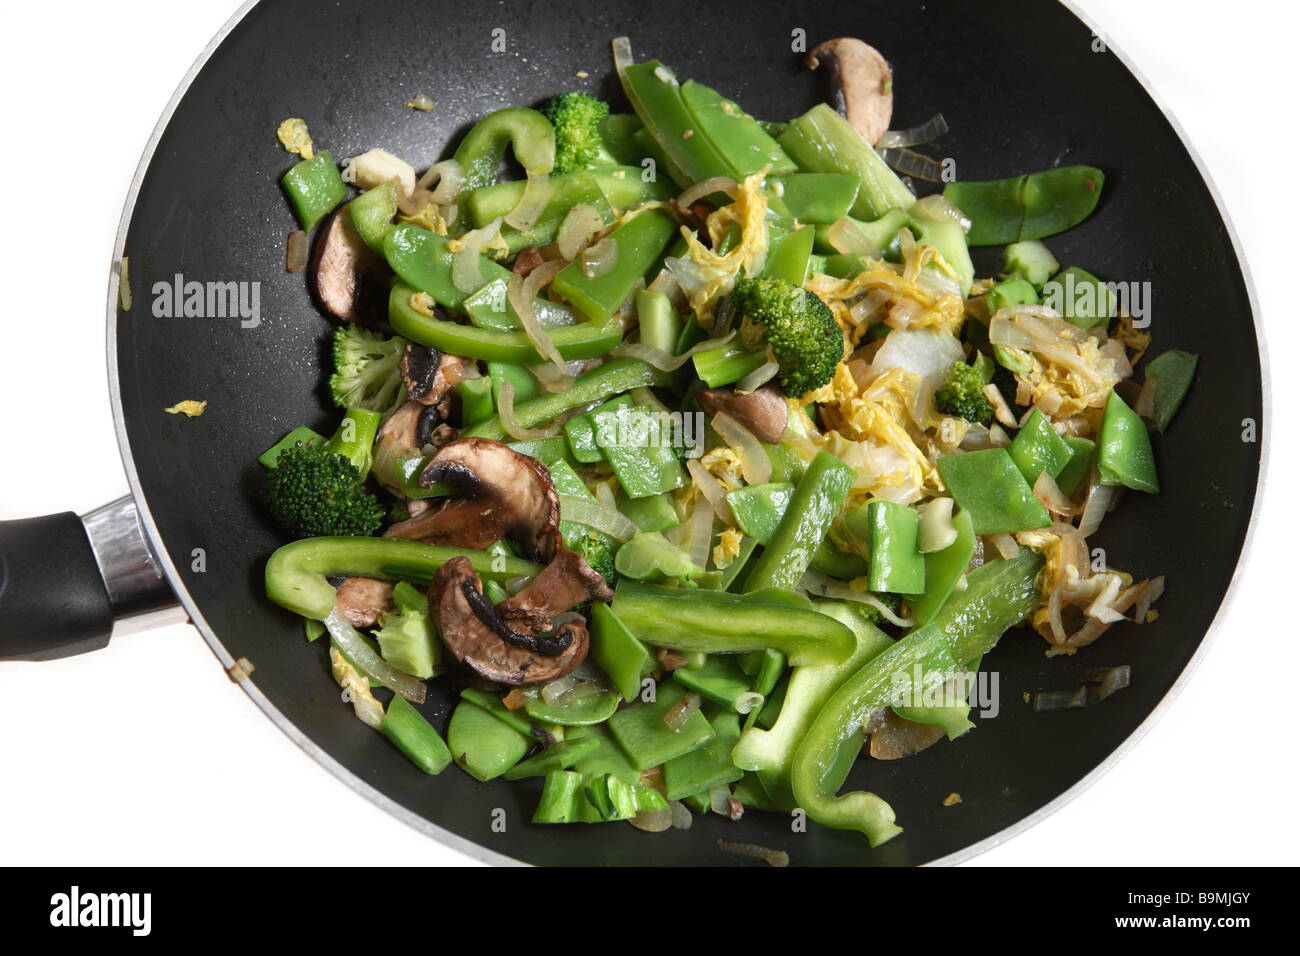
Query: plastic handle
x: 53, y: 600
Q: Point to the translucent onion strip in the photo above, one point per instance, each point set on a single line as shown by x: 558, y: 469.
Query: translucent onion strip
x: 511, y: 426
x: 759, y: 377
x: 449, y: 176
x: 911, y: 163
x: 595, y: 515
x: 701, y: 534
x: 846, y: 237
x: 521, y: 292
x: 939, y: 209
x: 536, y: 194
x: 1005, y: 544
x: 466, y: 270
x: 600, y: 259
x: 579, y: 225
x: 819, y: 584
x: 755, y: 465
x: 707, y: 187
x: 927, y: 132
x: 712, y: 489
x: 1095, y: 506
x: 365, y: 659
x: 661, y: 359
x: 1047, y: 491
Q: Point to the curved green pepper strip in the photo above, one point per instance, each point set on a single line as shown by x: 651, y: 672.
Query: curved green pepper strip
x: 999, y: 595
x: 1027, y: 207
x: 613, y: 378
x: 718, y: 622
x: 297, y: 574
x: 527, y: 131
x: 586, y: 340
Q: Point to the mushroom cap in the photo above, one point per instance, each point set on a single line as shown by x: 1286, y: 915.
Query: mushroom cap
x: 349, y: 279
x: 507, y: 495
x: 763, y: 411
x: 478, y: 643
x: 564, y: 583
x: 402, y: 435
x: 362, y: 600
x: 430, y: 375
x: 862, y: 83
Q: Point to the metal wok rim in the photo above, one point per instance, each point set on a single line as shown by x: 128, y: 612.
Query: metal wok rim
x: 477, y: 851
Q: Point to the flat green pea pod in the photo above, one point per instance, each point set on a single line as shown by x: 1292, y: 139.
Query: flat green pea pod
x: 744, y: 145
x: 1124, y: 455
x: 527, y: 131
x: 1027, y: 207
x: 585, y: 340
x: 998, y: 596
x: 297, y: 574
x: 1172, y: 372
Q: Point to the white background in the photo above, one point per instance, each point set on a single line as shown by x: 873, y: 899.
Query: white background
x: 145, y: 753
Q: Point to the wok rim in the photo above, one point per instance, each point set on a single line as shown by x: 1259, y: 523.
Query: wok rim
x: 481, y: 853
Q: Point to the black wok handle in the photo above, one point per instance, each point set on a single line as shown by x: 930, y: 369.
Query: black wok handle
x: 64, y: 579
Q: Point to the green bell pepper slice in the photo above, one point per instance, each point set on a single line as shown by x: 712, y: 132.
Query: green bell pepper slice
x: 586, y: 340
x: 372, y: 213
x: 301, y: 434
x: 990, y: 486
x: 297, y: 574
x: 894, y: 562
x: 314, y: 187
x: 999, y: 595
x: 1124, y: 455
x: 527, y: 131
x: 617, y: 652
x: 718, y: 622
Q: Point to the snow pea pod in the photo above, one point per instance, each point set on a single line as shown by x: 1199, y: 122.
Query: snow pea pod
x: 1124, y: 455
x: 526, y: 131
x: 988, y: 484
x: 1031, y: 206
x: 585, y: 340
x: 641, y: 240
x: 656, y: 96
x: 743, y: 144
x: 1172, y: 371
x: 421, y: 259
x: 998, y: 596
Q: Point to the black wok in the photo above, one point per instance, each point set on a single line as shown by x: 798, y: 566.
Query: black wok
x: 206, y: 204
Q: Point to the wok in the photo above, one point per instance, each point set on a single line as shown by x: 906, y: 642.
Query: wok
x: 206, y: 204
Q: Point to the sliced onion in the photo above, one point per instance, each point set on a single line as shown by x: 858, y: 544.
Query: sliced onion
x: 600, y: 259
x: 845, y: 236
x: 759, y: 377
x: 911, y: 163
x: 869, y: 306
x: 1005, y: 544
x: 747, y: 702
x: 537, y: 193
x: 521, y: 292
x: 557, y: 379
x: 701, y: 534
x: 755, y: 465
x: 510, y: 425
x: 814, y: 582
x: 622, y: 48
x: 682, y: 818
x: 1049, y: 493
x: 707, y: 187
x: 449, y: 176
x: 927, y: 132
x: 939, y: 209
x: 296, y: 251
x: 579, y: 225
x: 653, y: 821
x: 1001, y: 410
x: 1144, y: 407
x: 661, y: 359
x: 466, y: 270
x: 552, y: 692
x: 799, y: 444
x: 365, y: 659
x: 1095, y: 507
x: 681, y: 711
x: 593, y: 514
x: 935, y: 530
x: 712, y: 489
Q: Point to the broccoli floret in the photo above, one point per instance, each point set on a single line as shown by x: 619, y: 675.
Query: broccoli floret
x: 366, y: 373
x: 963, y: 395
x: 796, y: 325
x: 598, y: 551
x: 312, y: 492
x: 578, y: 143
x: 872, y: 614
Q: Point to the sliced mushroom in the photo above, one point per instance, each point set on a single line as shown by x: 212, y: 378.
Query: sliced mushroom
x: 763, y: 411
x: 529, y: 258
x: 478, y: 637
x: 351, y: 281
x: 362, y: 600
x: 507, y: 495
x: 565, y: 583
x: 862, y: 84
x: 402, y: 435
x: 430, y: 376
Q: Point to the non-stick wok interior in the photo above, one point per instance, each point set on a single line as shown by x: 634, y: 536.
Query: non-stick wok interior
x: 210, y: 207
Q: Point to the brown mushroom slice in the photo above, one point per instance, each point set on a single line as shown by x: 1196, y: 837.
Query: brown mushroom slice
x: 402, y: 435
x: 893, y: 737
x: 508, y: 495
x: 763, y: 412
x: 430, y: 375
x: 362, y: 600
x: 350, y: 280
x: 862, y: 84
x: 477, y: 637
x: 565, y: 583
